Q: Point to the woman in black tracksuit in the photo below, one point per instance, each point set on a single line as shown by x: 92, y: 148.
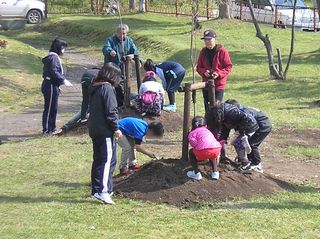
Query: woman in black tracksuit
x: 103, y: 129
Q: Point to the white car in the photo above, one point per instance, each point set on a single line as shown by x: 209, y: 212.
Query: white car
x: 279, y: 12
x: 32, y: 10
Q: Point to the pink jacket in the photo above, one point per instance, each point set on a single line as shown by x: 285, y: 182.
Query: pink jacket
x: 201, y: 138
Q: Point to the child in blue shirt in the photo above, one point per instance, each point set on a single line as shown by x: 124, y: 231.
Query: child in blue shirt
x: 133, y: 131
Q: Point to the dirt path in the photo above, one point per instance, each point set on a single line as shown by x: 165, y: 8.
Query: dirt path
x: 27, y: 124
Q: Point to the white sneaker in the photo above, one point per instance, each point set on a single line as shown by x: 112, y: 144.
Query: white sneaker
x: 257, y: 168
x: 104, y: 198
x: 215, y: 175
x: 196, y: 176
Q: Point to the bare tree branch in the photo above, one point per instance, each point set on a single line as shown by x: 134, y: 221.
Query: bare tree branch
x: 292, y: 39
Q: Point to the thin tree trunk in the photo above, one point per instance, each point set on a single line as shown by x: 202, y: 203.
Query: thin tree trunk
x: 142, y: 5
x: 292, y: 39
x: 92, y: 6
x: 265, y: 39
x: 318, y: 6
x: 225, y: 9
x: 132, y: 5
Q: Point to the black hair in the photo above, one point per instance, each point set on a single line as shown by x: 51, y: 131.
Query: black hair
x: 57, y: 45
x: 233, y: 102
x: 214, y: 117
x: 197, y: 122
x: 149, y: 65
x: 157, y: 128
x: 110, y: 72
x: 148, y: 78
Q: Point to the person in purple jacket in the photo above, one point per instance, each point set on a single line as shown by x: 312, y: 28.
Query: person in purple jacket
x: 204, y: 146
x: 53, y: 78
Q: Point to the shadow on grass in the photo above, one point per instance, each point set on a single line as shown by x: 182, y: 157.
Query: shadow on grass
x: 4, y: 83
x: 35, y: 200
x: 66, y: 185
x: 19, y: 137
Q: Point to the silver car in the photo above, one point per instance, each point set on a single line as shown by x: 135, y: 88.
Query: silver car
x: 32, y: 10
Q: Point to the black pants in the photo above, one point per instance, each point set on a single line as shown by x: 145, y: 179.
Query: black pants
x: 120, y: 93
x: 103, y: 165
x: 219, y: 97
x: 255, y: 142
x: 85, y: 100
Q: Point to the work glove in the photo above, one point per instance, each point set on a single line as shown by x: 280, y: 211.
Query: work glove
x: 245, y: 144
x: 155, y: 157
x: 67, y: 83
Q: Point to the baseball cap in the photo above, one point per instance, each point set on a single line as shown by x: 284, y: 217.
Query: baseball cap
x: 209, y: 34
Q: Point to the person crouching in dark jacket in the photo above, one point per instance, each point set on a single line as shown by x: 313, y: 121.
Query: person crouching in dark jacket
x: 53, y: 78
x: 103, y: 129
x: 265, y: 127
x: 224, y: 117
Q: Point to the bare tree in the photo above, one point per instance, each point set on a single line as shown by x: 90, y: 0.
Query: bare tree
x: 225, y: 9
x: 275, y: 70
x: 142, y: 5
x: 318, y: 6
x: 132, y: 5
x: 92, y: 3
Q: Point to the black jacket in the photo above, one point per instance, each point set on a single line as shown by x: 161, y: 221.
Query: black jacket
x: 234, y: 118
x: 103, y: 118
x: 261, y: 118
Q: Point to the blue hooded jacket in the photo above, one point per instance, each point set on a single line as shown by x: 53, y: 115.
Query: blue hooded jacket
x: 53, y: 70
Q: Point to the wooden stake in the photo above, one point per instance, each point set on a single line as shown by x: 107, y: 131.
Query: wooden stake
x: 127, y: 82
x: 186, y: 121
x: 212, y: 94
x: 137, y: 67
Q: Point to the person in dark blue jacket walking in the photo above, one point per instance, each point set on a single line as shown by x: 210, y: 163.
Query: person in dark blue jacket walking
x: 53, y: 78
x: 103, y: 129
x: 171, y: 73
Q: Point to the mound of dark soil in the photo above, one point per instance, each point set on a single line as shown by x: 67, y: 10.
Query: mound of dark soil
x: 165, y: 181
x: 171, y: 121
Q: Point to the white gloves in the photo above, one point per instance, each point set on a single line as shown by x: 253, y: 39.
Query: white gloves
x: 155, y: 157
x: 67, y: 83
x: 245, y: 144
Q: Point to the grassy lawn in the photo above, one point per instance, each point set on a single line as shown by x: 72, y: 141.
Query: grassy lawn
x: 288, y: 103
x: 20, y: 75
x: 45, y: 194
x: 45, y: 188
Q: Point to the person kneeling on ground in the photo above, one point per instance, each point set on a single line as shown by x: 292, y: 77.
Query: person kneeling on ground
x: 171, y: 73
x: 204, y: 146
x: 151, y: 95
x: 134, y: 130
x: 224, y: 117
x: 103, y: 129
x: 255, y: 140
x: 87, y: 79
